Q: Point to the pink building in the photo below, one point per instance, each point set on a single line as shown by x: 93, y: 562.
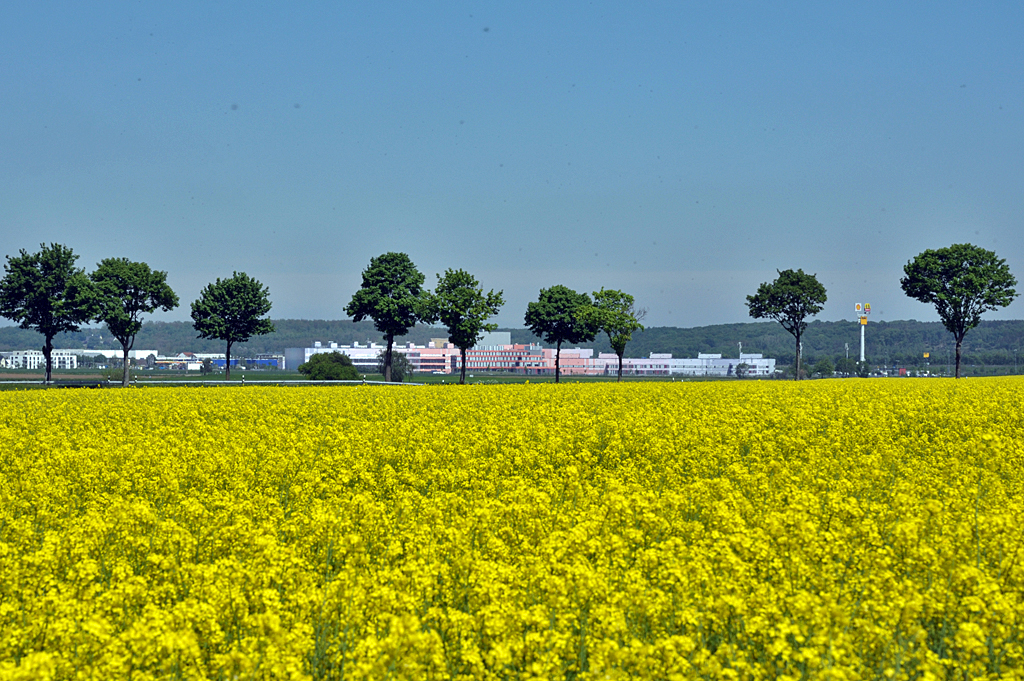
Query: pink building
x: 517, y: 359
x: 440, y: 356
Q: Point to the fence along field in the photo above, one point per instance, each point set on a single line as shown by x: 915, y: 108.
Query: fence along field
x: 852, y: 529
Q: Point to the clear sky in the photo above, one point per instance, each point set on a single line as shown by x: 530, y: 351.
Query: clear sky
x: 680, y: 151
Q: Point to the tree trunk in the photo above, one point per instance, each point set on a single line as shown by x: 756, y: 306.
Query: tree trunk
x: 48, y: 356
x: 462, y: 379
x: 387, y: 359
x: 620, y: 366
x: 558, y: 356
x: 124, y: 373
x: 796, y: 373
x: 959, y: 340
x: 227, y: 363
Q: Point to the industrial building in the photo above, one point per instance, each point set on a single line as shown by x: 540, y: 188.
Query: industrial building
x: 495, y: 353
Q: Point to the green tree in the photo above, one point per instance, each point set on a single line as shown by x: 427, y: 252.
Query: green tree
x: 961, y: 281
x: 127, y: 290
x: 329, y: 366
x: 824, y: 368
x: 44, y: 291
x: 232, y: 310
x: 846, y: 366
x: 400, y: 366
x: 615, y: 313
x: 555, y: 317
x: 392, y: 295
x: 206, y: 367
x: 789, y: 300
x: 741, y: 370
x: 462, y: 306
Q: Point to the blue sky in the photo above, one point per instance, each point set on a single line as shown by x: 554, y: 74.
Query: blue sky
x: 679, y: 151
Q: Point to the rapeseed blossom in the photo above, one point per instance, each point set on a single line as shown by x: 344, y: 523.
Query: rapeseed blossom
x: 754, y: 530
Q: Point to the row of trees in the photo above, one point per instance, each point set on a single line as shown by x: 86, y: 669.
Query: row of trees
x: 392, y: 294
x: 961, y: 281
x: 46, y: 292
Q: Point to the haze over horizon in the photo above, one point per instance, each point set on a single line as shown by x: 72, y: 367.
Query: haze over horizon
x: 677, y: 152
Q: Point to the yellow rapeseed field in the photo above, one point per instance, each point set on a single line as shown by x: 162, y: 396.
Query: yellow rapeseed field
x: 753, y: 530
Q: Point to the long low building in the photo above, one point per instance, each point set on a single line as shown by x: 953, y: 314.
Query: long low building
x: 364, y: 357
x: 496, y: 354
x: 664, y: 364
x: 136, y: 355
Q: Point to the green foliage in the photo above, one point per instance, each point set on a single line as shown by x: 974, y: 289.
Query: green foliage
x: 127, y: 290
x: 962, y: 282
x: 114, y: 374
x: 232, y: 310
x: 789, y: 300
x: 902, y: 342
x: 44, y: 291
x: 462, y: 306
x: 392, y: 295
x: 846, y: 366
x: 824, y: 368
x: 614, y: 312
x: 329, y: 366
x: 741, y: 370
x: 556, y: 317
x: 400, y: 366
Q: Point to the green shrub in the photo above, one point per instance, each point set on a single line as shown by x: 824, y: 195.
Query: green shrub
x: 329, y: 367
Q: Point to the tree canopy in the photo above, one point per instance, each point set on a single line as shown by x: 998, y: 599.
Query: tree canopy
x: 962, y: 282
x: 45, y: 292
x: 789, y: 300
x: 614, y: 312
x: 556, y: 317
x: 392, y: 295
x: 329, y: 366
x: 462, y: 306
x: 401, y: 367
x: 232, y: 310
x: 127, y: 290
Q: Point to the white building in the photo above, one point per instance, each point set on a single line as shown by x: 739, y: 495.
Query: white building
x: 495, y: 352
x: 137, y: 355
x: 364, y: 357
x: 663, y: 364
x: 34, y: 359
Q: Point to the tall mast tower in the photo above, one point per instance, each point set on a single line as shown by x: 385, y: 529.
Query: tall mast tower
x: 862, y: 313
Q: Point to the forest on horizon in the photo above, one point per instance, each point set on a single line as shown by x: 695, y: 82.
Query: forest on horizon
x: 886, y: 343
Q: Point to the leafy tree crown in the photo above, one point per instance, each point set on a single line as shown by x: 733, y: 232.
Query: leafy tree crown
x: 128, y: 290
x: 962, y: 282
x: 790, y: 300
x: 614, y: 313
x: 332, y: 366
x: 391, y: 294
x: 461, y: 305
x: 232, y: 309
x: 400, y: 365
x: 555, y: 316
x: 46, y: 292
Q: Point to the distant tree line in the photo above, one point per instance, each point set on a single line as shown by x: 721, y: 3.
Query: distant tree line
x: 48, y: 293
x: 48, y: 296
x: 900, y: 342
x: 393, y: 295
x: 962, y: 281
